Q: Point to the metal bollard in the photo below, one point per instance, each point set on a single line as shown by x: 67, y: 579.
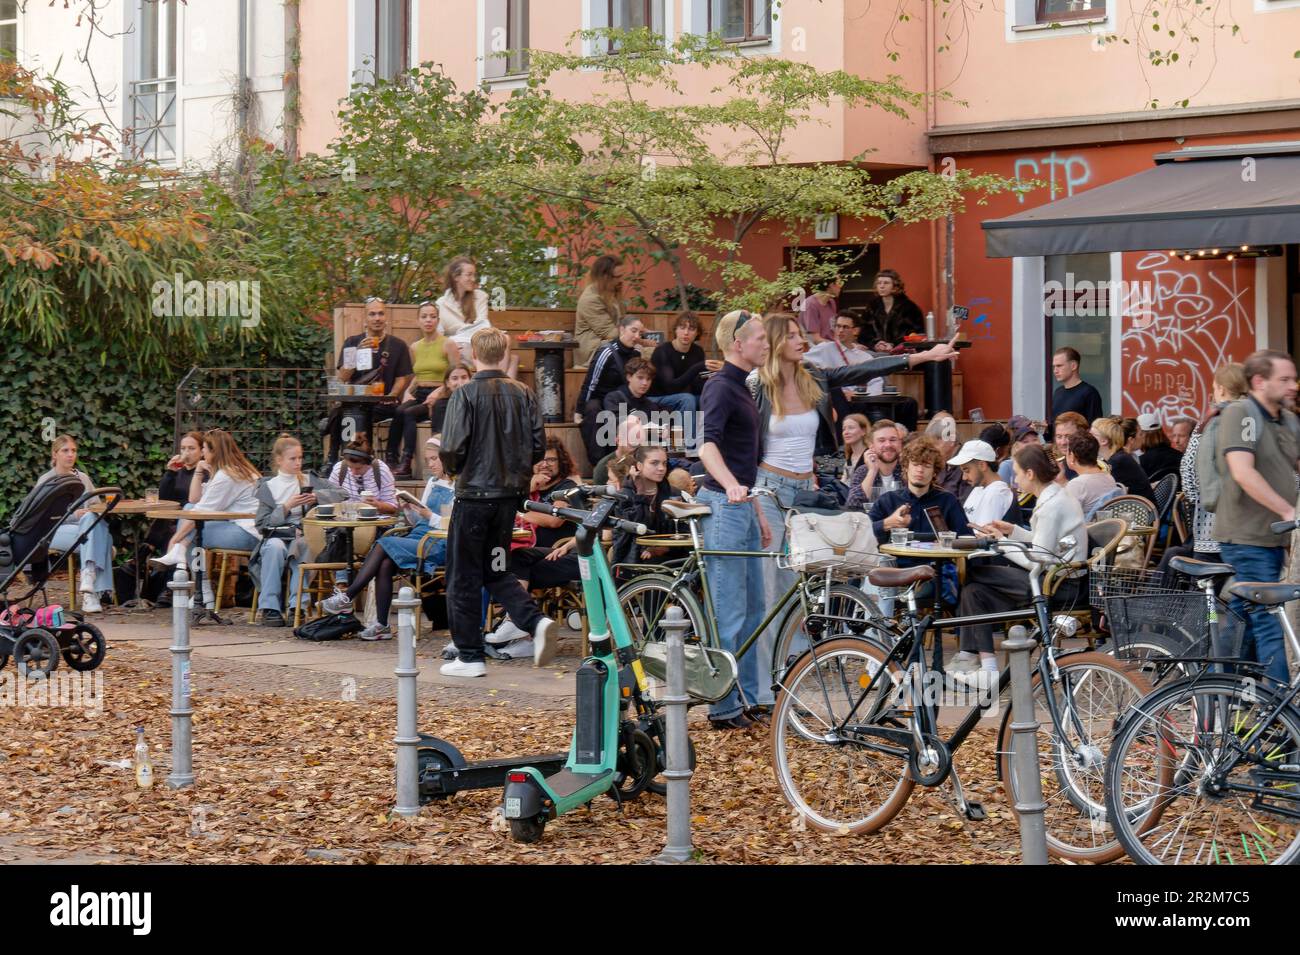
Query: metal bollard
x: 407, y: 739
x: 1024, y: 742
x: 678, y: 769
x: 182, y: 773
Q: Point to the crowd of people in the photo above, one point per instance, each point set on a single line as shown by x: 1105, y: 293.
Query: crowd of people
x: 786, y: 408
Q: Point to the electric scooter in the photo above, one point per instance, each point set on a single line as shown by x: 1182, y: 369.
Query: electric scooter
x: 610, y: 708
x: 608, y: 683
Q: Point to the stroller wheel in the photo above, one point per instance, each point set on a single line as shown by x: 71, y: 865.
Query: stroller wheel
x: 36, y: 654
x: 85, y: 647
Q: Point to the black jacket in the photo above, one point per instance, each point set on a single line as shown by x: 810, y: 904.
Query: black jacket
x: 1159, y: 461
x: 492, y: 437
x: 667, y: 360
x: 641, y: 510
x: 621, y: 399
x: 605, y: 372
x: 1125, y: 469
x: 877, y: 325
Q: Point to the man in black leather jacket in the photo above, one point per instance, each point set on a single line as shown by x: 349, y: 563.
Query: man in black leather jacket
x: 492, y: 437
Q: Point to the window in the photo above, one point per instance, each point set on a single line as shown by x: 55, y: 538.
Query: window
x: 1055, y: 11
x: 8, y: 29
x: 506, y: 31
x: 741, y: 20
x: 1080, y: 315
x: 153, y: 94
x: 392, y: 46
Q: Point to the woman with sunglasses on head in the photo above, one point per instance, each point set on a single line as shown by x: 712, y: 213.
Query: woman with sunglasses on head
x: 432, y: 357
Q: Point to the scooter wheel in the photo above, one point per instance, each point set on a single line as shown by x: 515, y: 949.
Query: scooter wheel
x: 527, y: 830
x: 638, y: 763
x: 660, y: 787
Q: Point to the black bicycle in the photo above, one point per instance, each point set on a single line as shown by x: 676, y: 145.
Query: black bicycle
x: 1206, y: 769
x: 856, y: 725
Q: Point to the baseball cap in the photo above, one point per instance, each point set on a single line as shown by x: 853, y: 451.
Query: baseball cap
x: 974, y: 451
x: 1148, y: 422
x: 1019, y: 426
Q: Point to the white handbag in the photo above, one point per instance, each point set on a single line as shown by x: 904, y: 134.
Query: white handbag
x: 842, y: 542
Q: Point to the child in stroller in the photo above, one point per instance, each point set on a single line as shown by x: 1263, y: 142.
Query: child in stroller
x: 37, y: 636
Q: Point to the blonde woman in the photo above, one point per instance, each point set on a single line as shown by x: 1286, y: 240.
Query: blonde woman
x: 1123, y: 467
x: 96, y: 551
x: 599, y: 307
x: 794, y: 415
x: 432, y: 357
x: 230, y: 487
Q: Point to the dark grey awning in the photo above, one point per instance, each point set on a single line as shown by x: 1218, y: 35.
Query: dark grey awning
x: 1192, y: 199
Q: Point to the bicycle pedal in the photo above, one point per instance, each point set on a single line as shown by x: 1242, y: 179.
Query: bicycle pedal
x: 975, y: 812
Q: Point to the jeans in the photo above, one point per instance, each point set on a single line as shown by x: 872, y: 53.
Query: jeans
x: 736, y: 584
x: 776, y: 580
x: 1263, y: 637
x: 684, y: 405
x: 271, y: 582
x: 96, y: 550
x: 478, y: 551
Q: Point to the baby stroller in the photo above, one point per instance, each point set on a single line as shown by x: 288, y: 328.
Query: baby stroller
x: 37, y: 636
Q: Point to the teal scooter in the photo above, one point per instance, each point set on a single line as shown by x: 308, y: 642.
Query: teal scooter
x: 609, y: 682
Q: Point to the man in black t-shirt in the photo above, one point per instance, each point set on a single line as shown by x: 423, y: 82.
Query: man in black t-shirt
x: 372, y: 357
x: 1073, y: 393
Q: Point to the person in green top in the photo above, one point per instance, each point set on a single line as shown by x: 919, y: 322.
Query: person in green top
x: 431, y: 358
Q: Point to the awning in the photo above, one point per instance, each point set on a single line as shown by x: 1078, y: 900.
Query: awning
x: 1193, y: 199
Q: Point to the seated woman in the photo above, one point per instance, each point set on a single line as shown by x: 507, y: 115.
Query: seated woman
x: 432, y: 358
x: 282, y: 502
x: 174, y: 487
x: 364, y: 479
x: 401, y: 553
x: 856, y: 431
x: 456, y: 376
x: 991, y: 588
x: 648, y: 481
x: 230, y: 487
x: 96, y: 551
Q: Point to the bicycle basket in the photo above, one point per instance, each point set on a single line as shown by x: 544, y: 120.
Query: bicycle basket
x: 844, y: 543
x: 1110, y: 581
x: 1174, y: 621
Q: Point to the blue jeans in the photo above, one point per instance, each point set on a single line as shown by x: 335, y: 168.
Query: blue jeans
x: 736, y: 584
x: 1263, y: 639
x: 97, y: 549
x: 684, y: 405
x: 776, y: 581
x: 224, y: 534
x: 274, y: 554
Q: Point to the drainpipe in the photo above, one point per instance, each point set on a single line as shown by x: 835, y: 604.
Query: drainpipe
x: 241, y: 90
x: 930, y: 120
x: 292, y: 87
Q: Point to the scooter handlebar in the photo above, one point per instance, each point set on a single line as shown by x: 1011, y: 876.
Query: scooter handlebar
x: 577, y: 516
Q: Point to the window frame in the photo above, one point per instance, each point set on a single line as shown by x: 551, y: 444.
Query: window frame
x: 648, y: 7
x: 15, y: 21
x: 381, y: 25
x: 750, y: 36
x: 516, y: 60
x: 1043, y: 18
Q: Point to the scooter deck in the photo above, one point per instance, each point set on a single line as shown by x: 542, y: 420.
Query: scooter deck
x: 485, y: 774
x: 566, y: 782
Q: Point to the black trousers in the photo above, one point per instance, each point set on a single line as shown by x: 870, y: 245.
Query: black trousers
x: 530, y: 565
x: 402, y: 430
x: 991, y: 589
x: 478, y: 556
x: 372, y: 415
x: 590, y: 431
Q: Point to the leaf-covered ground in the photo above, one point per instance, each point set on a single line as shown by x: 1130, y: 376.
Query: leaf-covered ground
x: 295, y: 780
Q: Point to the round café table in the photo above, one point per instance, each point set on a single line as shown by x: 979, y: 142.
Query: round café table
x: 931, y: 552
x: 202, y: 614
x: 518, y: 534
x: 349, y: 528
x: 136, y: 507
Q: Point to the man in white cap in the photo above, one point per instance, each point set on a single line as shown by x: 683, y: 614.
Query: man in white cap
x: 989, y: 498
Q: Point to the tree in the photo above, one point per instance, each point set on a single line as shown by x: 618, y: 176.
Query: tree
x: 695, y: 182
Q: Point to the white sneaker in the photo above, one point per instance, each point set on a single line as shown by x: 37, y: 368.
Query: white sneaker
x: 980, y: 679
x: 959, y: 665
x: 506, y: 633
x: 378, y: 631
x: 519, y: 649
x: 87, y: 578
x: 338, y: 603
x: 90, y: 602
x: 545, y: 642
x: 460, y: 668
x: 173, y: 558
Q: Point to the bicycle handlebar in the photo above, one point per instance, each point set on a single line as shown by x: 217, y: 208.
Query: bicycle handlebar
x: 576, y: 516
x: 1283, y: 527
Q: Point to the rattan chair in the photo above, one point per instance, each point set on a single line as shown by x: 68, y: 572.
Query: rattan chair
x: 322, y: 584
x: 1142, y: 519
x: 1104, y: 539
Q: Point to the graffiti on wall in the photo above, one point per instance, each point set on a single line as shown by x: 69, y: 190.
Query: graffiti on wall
x: 1193, y: 317
x: 1074, y: 171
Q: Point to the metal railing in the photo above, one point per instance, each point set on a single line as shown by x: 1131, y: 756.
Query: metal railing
x: 153, y: 119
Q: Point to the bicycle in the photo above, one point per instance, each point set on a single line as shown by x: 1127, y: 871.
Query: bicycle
x: 1206, y: 769
x: 855, y: 727
x: 813, y: 605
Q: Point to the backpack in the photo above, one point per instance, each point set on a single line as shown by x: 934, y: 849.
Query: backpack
x: 334, y: 626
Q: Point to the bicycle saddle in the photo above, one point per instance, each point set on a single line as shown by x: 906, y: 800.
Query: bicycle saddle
x: 681, y: 511
x: 900, y: 576
x: 1200, y: 568
x: 1267, y: 595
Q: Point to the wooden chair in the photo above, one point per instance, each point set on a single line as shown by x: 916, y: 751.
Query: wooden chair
x: 1104, y: 538
x: 230, y: 561
x: 1184, y: 513
x: 1141, y: 517
x: 423, y: 585
x: 321, y: 586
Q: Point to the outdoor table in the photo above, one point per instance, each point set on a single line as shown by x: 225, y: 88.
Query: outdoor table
x: 132, y: 508
x: 349, y: 528
x: 548, y: 376
x: 937, y: 377
x: 518, y: 534
x: 359, y: 409
x: 172, y: 513
x: 665, y: 540
x: 932, y: 553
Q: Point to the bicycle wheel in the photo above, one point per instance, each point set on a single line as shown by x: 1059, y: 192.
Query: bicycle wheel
x: 1150, y: 650
x: 1183, y: 788
x: 847, y: 610
x: 645, y: 601
x: 838, y: 780
x: 1072, y: 763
